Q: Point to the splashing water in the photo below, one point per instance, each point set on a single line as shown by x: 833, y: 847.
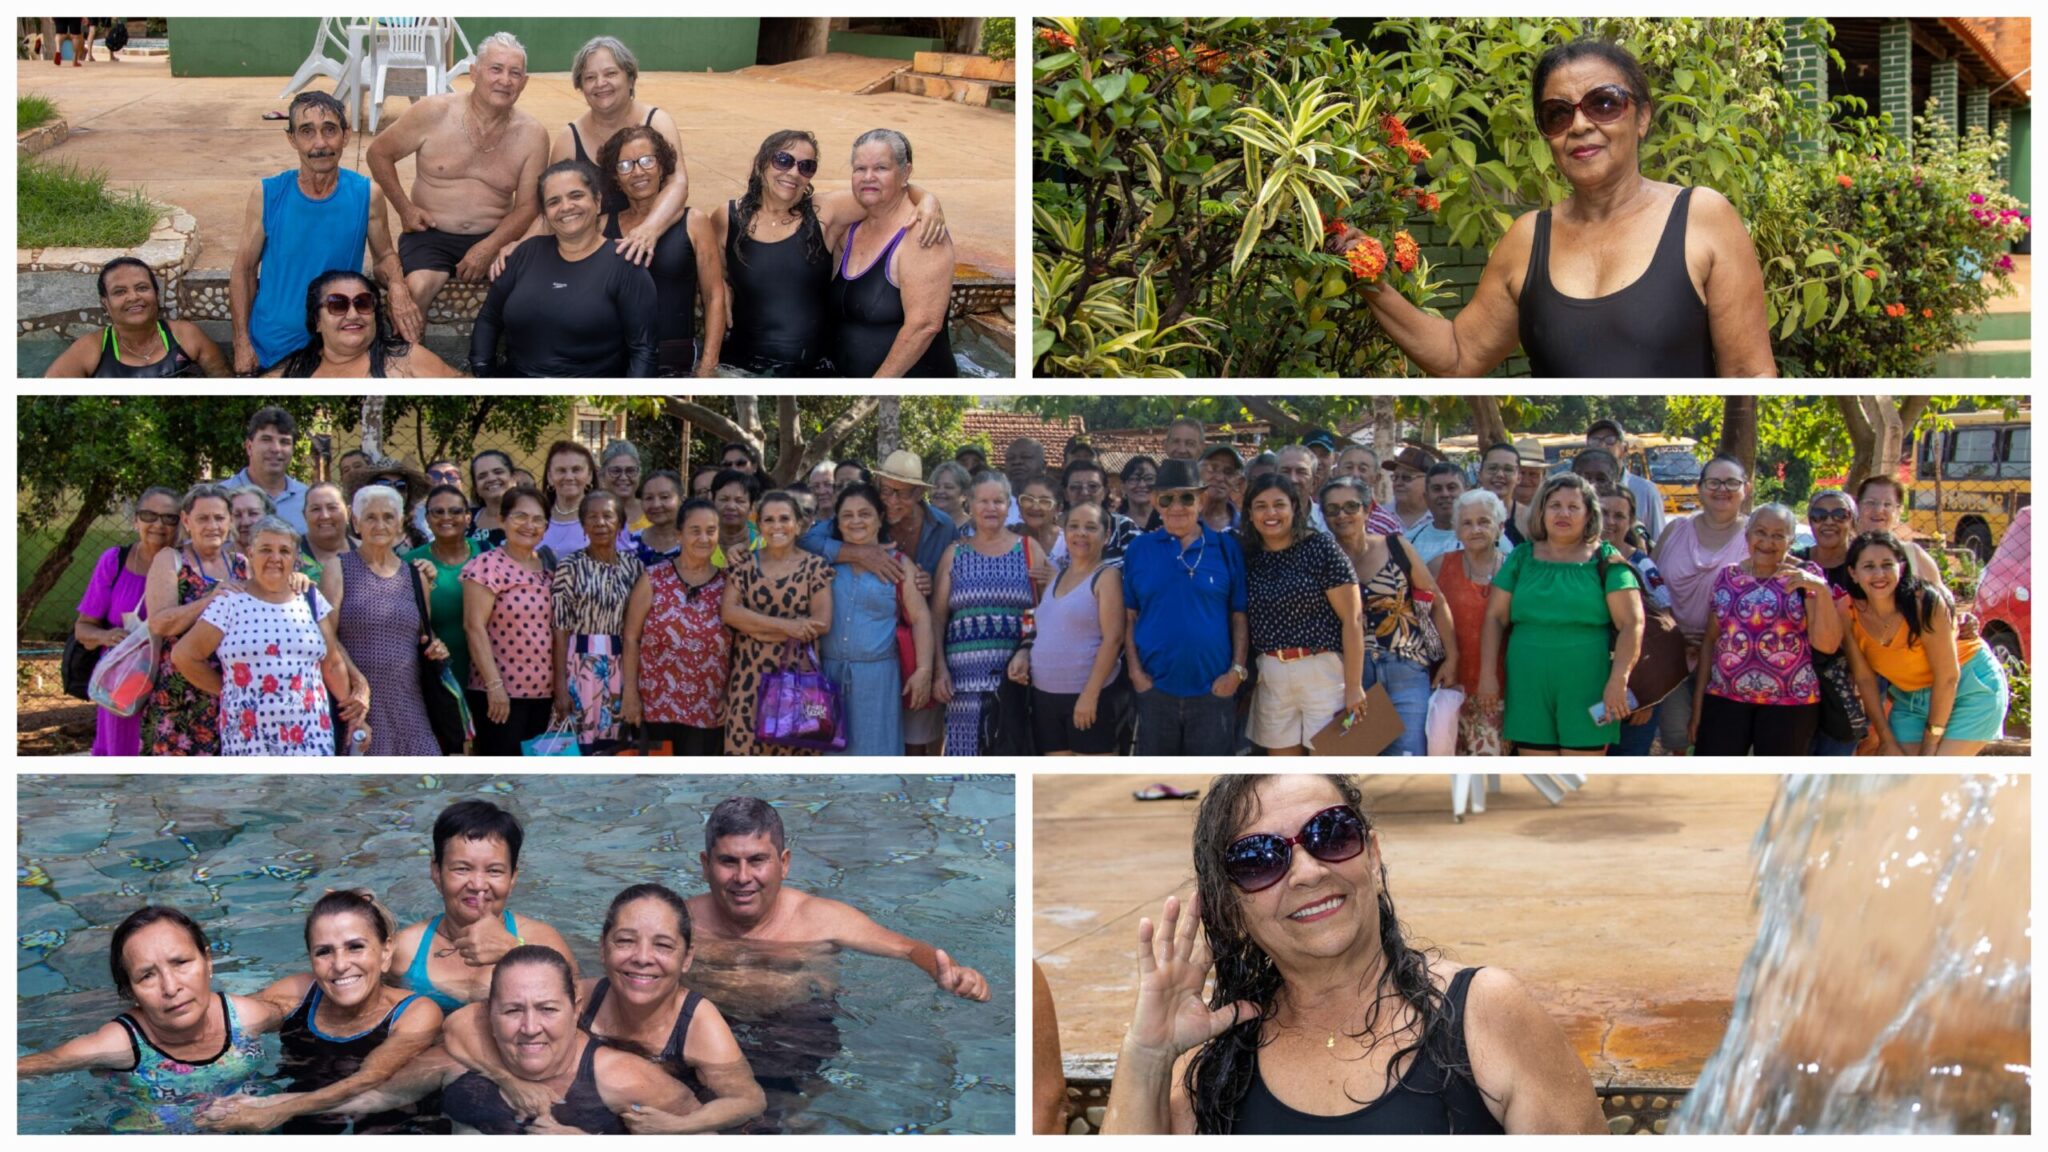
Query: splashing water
x: 1889, y: 989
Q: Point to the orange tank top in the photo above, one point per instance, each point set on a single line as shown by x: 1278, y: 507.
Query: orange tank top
x: 1904, y: 664
x: 1468, y: 613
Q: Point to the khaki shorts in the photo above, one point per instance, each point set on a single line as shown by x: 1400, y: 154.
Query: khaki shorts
x: 1294, y: 700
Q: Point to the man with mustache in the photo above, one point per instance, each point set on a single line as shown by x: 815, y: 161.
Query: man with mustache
x: 476, y: 161
x: 299, y: 224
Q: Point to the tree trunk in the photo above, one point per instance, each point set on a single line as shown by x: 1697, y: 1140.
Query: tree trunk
x: 91, y: 505
x: 1287, y: 428
x: 1386, y: 431
x: 964, y: 35
x: 373, y: 430
x: 888, y: 427
x: 1487, y: 420
x: 789, y: 440
x: 690, y: 412
x: 1738, y: 431
x: 1877, y: 433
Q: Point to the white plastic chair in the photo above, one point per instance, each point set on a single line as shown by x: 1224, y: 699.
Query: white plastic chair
x: 461, y: 67
x: 410, y: 46
x: 1469, y: 789
x: 318, y: 62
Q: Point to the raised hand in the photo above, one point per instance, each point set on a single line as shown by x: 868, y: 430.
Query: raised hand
x: 1173, y: 962
x: 959, y: 979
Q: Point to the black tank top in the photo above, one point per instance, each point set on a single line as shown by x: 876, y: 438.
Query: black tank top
x: 614, y: 196
x: 310, y: 1059
x: 474, y: 1101
x: 1428, y: 1099
x: 868, y: 309
x: 671, y: 1055
x: 1838, y: 576
x: 675, y: 279
x: 176, y: 361
x: 1656, y: 326
x: 778, y: 299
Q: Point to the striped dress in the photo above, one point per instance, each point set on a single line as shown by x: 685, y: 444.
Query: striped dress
x: 984, y: 625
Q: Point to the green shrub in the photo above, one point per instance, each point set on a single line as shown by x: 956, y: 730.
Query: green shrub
x: 62, y: 205
x: 999, y: 38
x: 2019, y: 716
x: 33, y: 111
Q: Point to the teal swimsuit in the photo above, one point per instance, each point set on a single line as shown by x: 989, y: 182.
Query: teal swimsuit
x: 169, y: 1092
x: 416, y: 977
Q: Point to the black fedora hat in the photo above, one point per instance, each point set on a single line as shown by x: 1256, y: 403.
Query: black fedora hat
x: 1177, y: 476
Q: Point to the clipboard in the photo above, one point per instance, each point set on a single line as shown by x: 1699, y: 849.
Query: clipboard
x: 1368, y: 737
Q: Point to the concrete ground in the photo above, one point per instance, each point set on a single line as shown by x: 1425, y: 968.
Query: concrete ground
x: 201, y: 143
x: 1625, y: 910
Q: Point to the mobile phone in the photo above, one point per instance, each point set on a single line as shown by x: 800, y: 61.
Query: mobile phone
x: 1599, y: 709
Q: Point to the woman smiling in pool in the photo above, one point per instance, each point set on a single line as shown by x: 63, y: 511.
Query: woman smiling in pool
x: 640, y: 1005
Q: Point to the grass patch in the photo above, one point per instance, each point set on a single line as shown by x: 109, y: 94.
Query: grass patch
x: 63, y: 205
x: 33, y: 111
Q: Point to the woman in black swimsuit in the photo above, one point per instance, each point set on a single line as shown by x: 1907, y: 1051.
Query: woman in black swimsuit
x: 344, y: 1030
x: 1626, y: 277
x: 891, y: 315
x: 137, y: 342
x: 779, y: 239
x: 1324, y: 1020
x: 353, y: 337
x: 532, y: 1019
x: 640, y: 166
x: 640, y: 1006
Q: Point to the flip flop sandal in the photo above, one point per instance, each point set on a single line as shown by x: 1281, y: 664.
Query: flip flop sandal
x: 1164, y: 792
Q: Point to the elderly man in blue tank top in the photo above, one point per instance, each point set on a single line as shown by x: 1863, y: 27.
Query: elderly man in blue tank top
x: 448, y: 959
x: 299, y: 223
x: 1184, y: 601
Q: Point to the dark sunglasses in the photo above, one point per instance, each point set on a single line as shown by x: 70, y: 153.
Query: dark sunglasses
x: 1256, y: 863
x: 148, y: 517
x: 783, y: 162
x: 339, y: 305
x: 1822, y: 515
x: 1603, y: 105
x: 1177, y: 499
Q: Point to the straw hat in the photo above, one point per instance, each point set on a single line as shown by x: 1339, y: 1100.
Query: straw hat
x: 904, y: 467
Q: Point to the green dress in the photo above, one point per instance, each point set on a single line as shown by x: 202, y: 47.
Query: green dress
x: 444, y: 604
x: 1559, y: 653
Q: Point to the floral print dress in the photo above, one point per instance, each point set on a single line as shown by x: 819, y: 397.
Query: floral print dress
x: 685, y: 651
x: 272, y: 699
x: 180, y: 719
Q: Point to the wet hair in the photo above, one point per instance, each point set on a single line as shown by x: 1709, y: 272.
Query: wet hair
x: 1222, y: 1071
x: 861, y: 490
x: 106, y: 269
x: 527, y: 955
x: 1606, y: 51
x: 314, y: 99
x: 899, y: 144
x: 205, y: 490
x: 743, y: 816
x: 693, y: 504
x: 271, y: 416
x: 361, y: 901
x: 600, y: 494
x: 1248, y: 537
x: 659, y: 892
x: 582, y: 169
x: 384, y: 344
x: 1893, y: 482
x: 137, y: 920
x: 621, y: 55
x: 668, y: 474
x: 512, y: 496
x: 727, y: 477
x: 750, y: 203
x: 547, y: 486
x: 1539, y: 523
x: 1914, y: 597
x: 276, y: 526
x: 608, y: 165
x: 478, y: 820
x: 505, y: 456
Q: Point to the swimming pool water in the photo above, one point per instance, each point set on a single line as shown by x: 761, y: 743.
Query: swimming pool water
x: 931, y: 857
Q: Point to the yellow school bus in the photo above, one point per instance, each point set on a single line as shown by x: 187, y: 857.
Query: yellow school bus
x: 1668, y: 461
x: 1967, y: 480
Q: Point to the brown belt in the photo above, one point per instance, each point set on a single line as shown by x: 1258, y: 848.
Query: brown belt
x: 1290, y: 655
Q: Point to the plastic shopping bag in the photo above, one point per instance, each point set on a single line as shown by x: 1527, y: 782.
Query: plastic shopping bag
x: 1440, y: 727
x: 558, y: 740
x: 126, y: 675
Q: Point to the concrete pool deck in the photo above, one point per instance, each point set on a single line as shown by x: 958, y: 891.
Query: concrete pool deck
x: 201, y: 143
x: 1625, y: 910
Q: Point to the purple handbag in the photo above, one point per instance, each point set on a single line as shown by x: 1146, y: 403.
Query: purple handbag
x: 799, y: 708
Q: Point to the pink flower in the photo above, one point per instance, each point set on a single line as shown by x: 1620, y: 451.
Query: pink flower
x: 1976, y: 197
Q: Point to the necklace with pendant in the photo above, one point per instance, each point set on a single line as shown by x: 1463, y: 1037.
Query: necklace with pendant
x: 1183, y: 557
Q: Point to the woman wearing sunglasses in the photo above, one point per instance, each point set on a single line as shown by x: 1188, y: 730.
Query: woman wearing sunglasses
x: 352, y: 336
x: 1324, y: 1019
x: 779, y: 239
x: 639, y: 166
x: 1627, y: 276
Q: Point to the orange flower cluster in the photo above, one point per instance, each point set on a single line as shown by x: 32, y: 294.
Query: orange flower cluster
x: 1844, y: 180
x: 1367, y: 259
x: 1895, y: 310
x: 1397, y: 132
x: 1870, y: 273
x: 1927, y: 313
x: 1426, y: 201
x: 1054, y: 38
x: 1332, y: 226
x: 1165, y: 57
x: 1417, y: 153
x: 1209, y: 60
x: 1406, y: 251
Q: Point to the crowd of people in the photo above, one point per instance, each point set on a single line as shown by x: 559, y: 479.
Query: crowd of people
x: 478, y: 1019
x: 597, y: 265
x: 1196, y: 603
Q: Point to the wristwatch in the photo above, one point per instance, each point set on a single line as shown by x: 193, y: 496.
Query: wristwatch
x: 1238, y: 670
x: 1937, y: 730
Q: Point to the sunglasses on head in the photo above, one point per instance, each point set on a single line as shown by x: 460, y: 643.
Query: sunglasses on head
x: 1257, y: 862
x: 339, y: 304
x: 783, y: 162
x: 1603, y: 105
x: 1177, y: 499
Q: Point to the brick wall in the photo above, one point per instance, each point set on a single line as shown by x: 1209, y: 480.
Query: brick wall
x: 2001, y: 118
x: 1895, y: 75
x: 1942, y: 89
x: 1806, y: 69
x: 1460, y: 268
x: 1977, y: 108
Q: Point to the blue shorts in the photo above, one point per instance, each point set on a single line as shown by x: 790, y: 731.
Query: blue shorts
x: 1979, y: 713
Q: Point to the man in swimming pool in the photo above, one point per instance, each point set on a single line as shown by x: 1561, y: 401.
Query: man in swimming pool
x: 449, y: 958
x: 745, y: 861
x: 476, y: 158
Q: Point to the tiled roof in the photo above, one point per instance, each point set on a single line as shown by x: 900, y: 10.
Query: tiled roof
x: 1003, y: 427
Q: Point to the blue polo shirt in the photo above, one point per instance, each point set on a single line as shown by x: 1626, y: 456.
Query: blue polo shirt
x: 290, y: 505
x: 1184, y: 599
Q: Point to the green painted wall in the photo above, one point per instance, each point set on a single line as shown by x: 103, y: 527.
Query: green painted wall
x: 883, y: 47
x: 2023, y: 155
x: 274, y: 46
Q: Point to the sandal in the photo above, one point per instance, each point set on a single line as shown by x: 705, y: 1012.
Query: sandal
x: 1164, y: 792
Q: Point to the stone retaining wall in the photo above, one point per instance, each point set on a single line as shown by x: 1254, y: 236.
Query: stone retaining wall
x: 57, y: 289
x: 36, y: 141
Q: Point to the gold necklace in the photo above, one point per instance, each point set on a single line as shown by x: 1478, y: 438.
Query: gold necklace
x: 471, y: 136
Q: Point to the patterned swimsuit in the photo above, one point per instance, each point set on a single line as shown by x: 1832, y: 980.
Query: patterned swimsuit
x: 170, y: 1092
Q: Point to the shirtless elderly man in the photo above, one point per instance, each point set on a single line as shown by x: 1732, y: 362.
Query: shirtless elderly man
x: 476, y: 160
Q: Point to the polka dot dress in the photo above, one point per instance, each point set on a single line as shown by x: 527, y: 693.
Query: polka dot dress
x: 272, y: 700
x: 522, y: 642
x: 1287, y: 595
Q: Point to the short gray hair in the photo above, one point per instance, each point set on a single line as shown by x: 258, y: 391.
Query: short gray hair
x: 956, y: 470
x: 991, y: 476
x: 620, y: 53
x: 369, y: 494
x: 237, y: 491
x: 899, y: 144
x: 825, y: 467
x: 275, y: 526
x: 1773, y: 510
x: 503, y: 40
x: 618, y: 448
x: 1483, y: 498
